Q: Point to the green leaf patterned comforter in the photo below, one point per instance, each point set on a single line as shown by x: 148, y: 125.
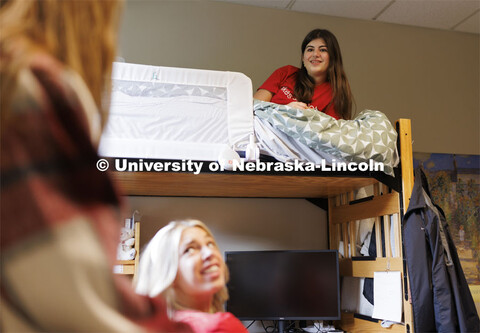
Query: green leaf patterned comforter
x: 370, y: 136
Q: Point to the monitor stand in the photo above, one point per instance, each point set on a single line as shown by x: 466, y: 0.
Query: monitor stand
x: 281, y: 326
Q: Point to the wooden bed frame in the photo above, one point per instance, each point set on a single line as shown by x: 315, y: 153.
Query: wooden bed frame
x: 335, y: 192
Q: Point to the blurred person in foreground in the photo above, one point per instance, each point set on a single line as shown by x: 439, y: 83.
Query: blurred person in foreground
x: 59, y: 214
x: 183, y: 264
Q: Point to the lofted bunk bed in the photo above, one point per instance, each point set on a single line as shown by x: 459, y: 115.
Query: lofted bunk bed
x: 332, y: 190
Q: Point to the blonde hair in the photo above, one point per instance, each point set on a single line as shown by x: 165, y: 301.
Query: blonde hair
x: 81, y: 34
x: 159, y: 265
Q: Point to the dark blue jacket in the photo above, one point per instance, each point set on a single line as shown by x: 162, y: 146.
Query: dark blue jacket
x: 441, y: 299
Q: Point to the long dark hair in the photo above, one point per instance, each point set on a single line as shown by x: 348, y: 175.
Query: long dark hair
x: 342, y: 99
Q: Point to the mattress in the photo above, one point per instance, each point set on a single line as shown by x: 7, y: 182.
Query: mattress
x: 176, y: 113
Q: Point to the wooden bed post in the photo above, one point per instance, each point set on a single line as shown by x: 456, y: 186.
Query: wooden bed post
x: 406, y: 159
x: 406, y: 163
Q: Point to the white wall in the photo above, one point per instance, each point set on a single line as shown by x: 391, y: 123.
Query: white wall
x: 241, y: 224
x: 430, y: 76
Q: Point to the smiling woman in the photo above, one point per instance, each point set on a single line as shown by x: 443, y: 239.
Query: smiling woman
x: 182, y: 263
x: 320, y: 82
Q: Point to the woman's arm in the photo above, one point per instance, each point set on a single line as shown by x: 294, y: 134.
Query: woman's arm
x: 266, y: 96
x: 263, y: 95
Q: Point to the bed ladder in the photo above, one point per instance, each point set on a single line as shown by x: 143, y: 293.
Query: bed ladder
x: 344, y: 212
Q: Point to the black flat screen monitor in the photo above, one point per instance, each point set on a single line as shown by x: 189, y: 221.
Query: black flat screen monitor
x: 284, y: 285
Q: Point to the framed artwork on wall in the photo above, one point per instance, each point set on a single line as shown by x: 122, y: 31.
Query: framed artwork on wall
x: 455, y: 186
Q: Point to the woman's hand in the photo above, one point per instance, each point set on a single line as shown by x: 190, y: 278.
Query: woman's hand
x: 298, y: 105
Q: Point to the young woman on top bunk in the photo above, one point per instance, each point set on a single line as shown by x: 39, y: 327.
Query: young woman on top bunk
x: 319, y: 83
x: 183, y: 264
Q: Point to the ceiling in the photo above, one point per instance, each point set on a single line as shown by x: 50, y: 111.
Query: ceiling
x: 454, y: 15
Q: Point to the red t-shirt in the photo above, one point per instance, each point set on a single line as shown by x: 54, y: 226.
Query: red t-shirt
x: 282, y: 83
x: 202, y: 322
